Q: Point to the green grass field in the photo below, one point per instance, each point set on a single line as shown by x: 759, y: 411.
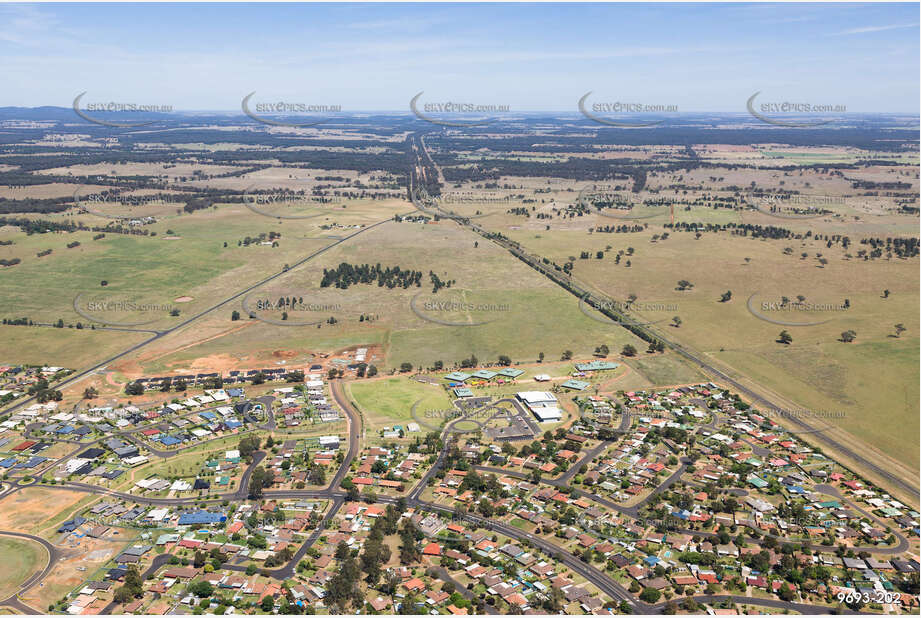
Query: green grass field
x: 388, y: 401
x: 21, y: 558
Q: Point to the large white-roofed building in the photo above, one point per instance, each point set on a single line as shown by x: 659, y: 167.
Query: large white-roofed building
x: 542, y: 405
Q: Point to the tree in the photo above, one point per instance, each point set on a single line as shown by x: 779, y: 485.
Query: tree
x: 786, y: 592
x: 676, y: 321
x: 201, y: 589
x: 567, y: 355
x: 90, y: 393
x: 689, y: 605
x: 554, y: 601
x: 785, y: 337
x: 848, y: 336
x: 406, y: 367
x: 628, y: 350
x: 257, y: 482
x: 726, y: 297
x: 123, y: 595
x: 248, y: 446
x: 134, y: 581
x: 409, y: 552
x: 268, y: 603
x: 899, y: 329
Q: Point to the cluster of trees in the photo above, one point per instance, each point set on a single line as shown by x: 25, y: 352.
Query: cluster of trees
x: 216, y: 558
x: 437, y: 283
x: 43, y: 392
x: 738, y: 229
x: 44, y: 226
x: 900, y: 247
x: 316, y: 474
x: 342, y: 590
x: 347, y: 274
x: 35, y: 205
x: 618, y: 229
x: 365, y: 370
x: 18, y: 322
x: 573, y: 168
x: 263, y: 237
x: 377, y: 553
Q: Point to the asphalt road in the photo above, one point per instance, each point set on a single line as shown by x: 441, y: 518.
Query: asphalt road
x: 354, y: 431
x: 444, y: 576
x: 586, y: 459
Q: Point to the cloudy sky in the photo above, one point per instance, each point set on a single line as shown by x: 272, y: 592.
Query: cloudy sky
x: 699, y: 57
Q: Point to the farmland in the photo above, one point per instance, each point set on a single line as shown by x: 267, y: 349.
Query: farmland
x: 347, y: 272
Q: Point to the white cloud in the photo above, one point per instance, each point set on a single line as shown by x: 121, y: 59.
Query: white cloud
x: 866, y: 29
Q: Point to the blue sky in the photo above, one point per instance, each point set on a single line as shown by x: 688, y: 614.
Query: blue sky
x: 700, y: 57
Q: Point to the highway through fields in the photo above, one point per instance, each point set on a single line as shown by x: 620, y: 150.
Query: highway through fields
x: 609, y: 306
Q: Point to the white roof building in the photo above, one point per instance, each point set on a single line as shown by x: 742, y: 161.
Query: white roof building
x: 542, y: 404
x: 537, y: 398
x: 547, y: 414
x: 158, y: 514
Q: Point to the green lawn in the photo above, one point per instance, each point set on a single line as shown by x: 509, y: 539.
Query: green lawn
x: 21, y: 558
x: 388, y: 401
